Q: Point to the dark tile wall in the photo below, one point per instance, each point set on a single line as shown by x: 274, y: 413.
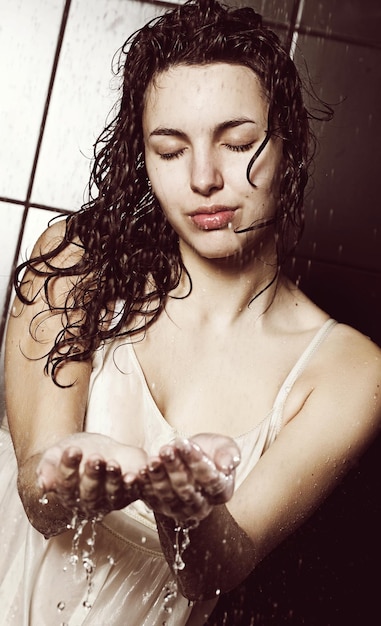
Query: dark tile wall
x: 356, y: 20
x: 338, y: 261
x: 323, y: 575
x: 337, y: 48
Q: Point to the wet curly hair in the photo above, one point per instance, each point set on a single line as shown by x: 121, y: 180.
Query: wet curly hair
x: 130, y: 252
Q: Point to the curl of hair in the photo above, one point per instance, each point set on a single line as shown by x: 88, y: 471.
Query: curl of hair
x: 130, y: 252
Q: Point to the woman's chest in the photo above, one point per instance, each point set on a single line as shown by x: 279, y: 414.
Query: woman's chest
x: 203, y: 385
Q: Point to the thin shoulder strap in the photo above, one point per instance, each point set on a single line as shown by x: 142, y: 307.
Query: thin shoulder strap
x: 298, y: 369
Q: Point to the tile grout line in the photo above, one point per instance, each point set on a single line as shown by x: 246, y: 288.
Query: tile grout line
x: 57, y: 53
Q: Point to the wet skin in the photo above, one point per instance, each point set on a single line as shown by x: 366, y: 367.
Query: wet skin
x: 183, y: 482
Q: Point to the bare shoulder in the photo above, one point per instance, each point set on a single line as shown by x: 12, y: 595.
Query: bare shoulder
x: 53, y: 256
x: 347, y: 363
x: 351, y: 351
x: 54, y: 239
x: 52, y: 235
x: 347, y: 384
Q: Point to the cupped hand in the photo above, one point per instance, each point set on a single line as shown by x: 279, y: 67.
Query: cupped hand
x: 190, y: 476
x: 91, y: 474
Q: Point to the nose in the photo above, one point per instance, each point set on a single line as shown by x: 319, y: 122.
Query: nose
x: 206, y: 175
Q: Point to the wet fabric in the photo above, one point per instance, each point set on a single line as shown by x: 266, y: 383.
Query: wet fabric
x: 132, y: 583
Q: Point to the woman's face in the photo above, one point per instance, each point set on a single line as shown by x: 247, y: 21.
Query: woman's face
x: 201, y: 125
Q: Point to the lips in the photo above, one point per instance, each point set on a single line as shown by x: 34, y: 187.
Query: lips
x: 212, y: 218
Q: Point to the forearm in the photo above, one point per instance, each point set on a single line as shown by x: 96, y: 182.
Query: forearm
x: 47, y: 515
x: 219, y: 556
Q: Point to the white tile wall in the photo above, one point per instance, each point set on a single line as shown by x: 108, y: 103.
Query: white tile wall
x: 28, y: 38
x: 36, y: 222
x: 10, y: 220
x: 83, y: 94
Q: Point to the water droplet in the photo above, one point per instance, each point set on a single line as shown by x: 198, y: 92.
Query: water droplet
x: 85, y: 556
x: 179, y: 563
x: 143, y: 539
x: 88, y: 565
x: 170, y: 594
x: 44, y: 499
x: 111, y: 559
x: 61, y: 606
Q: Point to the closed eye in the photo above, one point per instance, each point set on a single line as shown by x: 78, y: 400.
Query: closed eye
x: 168, y: 156
x: 239, y: 148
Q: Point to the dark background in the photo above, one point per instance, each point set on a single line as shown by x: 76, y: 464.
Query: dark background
x: 328, y: 573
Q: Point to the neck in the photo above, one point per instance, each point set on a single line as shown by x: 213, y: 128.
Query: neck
x: 224, y: 289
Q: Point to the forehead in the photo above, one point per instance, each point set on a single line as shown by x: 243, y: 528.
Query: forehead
x: 202, y: 92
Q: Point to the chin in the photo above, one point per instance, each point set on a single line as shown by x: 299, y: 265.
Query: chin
x: 221, y: 254
x: 214, y: 245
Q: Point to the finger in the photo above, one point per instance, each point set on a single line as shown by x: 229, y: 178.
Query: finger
x: 227, y: 459
x: 216, y: 484
x: 119, y: 490
x: 223, y: 450
x: 50, y: 467
x: 178, y: 473
x: 132, y: 488
x: 47, y: 473
x: 92, y: 487
x: 201, y: 466
x: 157, y: 490
x: 67, y: 480
x: 113, y: 484
x: 147, y: 490
x: 160, y: 481
x: 69, y: 463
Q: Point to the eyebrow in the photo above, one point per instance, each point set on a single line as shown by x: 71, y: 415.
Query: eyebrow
x: 174, y: 132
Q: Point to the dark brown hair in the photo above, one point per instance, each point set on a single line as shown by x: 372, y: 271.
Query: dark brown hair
x: 130, y: 252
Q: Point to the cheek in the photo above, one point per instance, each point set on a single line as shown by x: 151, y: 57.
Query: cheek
x: 166, y: 186
x: 266, y: 171
x: 266, y: 176
x: 165, y: 194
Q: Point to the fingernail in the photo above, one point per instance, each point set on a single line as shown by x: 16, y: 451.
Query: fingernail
x: 128, y: 479
x: 167, y: 455
x: 186, y: 447
x: 95, y: 464
x: 111, y: 468
x: 74, y: 453
x: 154, y: 467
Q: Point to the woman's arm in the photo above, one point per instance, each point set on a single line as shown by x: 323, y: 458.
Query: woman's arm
x: 39, y: 412
x: 46, y: 420
x: 340, y: 416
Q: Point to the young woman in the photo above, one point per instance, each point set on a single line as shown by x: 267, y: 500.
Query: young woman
x: 164, y: 380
